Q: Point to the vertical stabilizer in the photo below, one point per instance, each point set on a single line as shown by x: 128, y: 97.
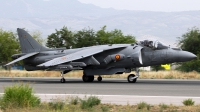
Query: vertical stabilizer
x: 28, y: 43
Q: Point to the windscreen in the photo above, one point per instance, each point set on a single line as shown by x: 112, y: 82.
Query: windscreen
x: 154, y: 44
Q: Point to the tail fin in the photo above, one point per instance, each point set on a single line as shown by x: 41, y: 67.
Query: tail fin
x: 28, y: 43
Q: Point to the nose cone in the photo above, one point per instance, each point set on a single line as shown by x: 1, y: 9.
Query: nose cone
x: 183, y: 56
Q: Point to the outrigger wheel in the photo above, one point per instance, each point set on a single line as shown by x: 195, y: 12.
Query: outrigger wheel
x: 99, y: 78
x: 62, y: 80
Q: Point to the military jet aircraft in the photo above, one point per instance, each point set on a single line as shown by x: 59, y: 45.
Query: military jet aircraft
x: 97, y: 60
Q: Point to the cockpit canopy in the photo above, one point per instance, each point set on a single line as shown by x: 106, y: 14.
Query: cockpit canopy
x: 153, y: 44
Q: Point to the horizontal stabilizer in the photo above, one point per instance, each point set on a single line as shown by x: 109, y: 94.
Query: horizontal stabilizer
x: 22, y: 58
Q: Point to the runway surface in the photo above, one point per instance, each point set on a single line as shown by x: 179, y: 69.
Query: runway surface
x: 114, y: 90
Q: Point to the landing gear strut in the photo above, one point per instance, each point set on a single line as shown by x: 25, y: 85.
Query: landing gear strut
x: 99, y: 78
x: 133, y: 78
x: 62, y: 80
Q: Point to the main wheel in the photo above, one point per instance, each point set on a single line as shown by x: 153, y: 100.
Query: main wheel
x: 62, y: 80
x: 91, y: 78
x: 130, y: 78
x: 99, y: 78
x: 88, y: 78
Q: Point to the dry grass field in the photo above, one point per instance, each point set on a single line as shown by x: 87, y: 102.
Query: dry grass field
x: 109, y: 108
x: 79, y: 73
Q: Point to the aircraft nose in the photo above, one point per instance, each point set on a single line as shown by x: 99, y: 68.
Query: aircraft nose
x: 185, y: 56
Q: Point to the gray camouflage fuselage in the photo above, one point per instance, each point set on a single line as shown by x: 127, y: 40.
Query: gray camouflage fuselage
x: 149, y: 57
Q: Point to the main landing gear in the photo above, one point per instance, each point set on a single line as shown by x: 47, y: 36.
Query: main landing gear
x: 133, y: 78
x: 87, y: 78
x: 90, y: 78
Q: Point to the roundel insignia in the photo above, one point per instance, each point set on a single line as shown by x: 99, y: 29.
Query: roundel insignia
x: 63, y: 58
x: 117, y: 57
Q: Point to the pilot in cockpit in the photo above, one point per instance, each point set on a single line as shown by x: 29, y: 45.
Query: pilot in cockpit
x: 154, y: 44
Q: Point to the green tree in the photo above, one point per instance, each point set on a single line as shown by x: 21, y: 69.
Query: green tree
x: 85, y: 38
x: 117, y: 37
x: 113, y: 37
x: 9, y: 45
x: 103, y: 36
x: 190, y: 42
x: 61, y: 38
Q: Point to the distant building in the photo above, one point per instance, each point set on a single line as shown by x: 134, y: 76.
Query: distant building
x: 146, y: 68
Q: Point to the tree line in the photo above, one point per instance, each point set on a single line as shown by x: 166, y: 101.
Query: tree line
x: 9, y: 43
x: 87, y: 37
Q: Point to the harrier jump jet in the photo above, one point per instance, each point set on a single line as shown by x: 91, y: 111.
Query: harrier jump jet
x: 97, y: 60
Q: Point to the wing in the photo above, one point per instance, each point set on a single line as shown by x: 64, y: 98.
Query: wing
x: 22, y: 57
x: 80, y: 54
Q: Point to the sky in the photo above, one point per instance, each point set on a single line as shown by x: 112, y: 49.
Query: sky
x: 147, y: 5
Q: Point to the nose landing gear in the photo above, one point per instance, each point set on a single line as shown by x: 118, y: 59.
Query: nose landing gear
x: 133, y: 78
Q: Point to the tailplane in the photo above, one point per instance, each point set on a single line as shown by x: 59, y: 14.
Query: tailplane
x: 28, y: 43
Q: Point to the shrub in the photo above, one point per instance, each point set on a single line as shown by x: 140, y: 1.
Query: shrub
x: 19, y: 95
x: 188, y: 102
x: 90, y: 102
x: 104, y: 108
x: 143, y: 105
x: 74, y: 100
x: 163, y: 106
x: 57, y: 105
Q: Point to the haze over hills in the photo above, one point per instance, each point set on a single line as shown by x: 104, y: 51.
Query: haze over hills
x: 46, y: 16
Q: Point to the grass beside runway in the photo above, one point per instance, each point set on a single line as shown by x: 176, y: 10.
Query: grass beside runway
x: 93, y: 104
x: 143, y: 74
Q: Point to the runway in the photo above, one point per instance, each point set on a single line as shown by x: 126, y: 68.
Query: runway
x: 150, y: 90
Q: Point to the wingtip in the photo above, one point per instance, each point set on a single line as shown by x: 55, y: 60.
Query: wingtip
x: 41, y: 65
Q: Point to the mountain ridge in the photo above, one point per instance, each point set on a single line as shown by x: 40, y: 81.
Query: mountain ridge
x: 46, y: 16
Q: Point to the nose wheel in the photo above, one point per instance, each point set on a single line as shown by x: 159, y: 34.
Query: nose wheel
x: 132, y: 78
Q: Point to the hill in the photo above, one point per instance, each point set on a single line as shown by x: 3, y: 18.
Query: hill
x: 46, y: 16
